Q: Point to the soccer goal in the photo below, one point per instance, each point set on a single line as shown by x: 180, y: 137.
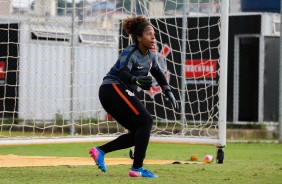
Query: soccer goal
x: 54, y: 55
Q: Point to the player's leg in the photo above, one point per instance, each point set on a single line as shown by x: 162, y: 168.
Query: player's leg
x: 114, y: 103
x: 142, y: 137
x: 138, y: 136
x: 129, y: 112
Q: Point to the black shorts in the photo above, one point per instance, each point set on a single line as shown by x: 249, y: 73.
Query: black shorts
x: 123, y: 106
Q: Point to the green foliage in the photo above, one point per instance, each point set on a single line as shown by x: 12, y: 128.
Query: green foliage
x: 10, y: 121
x: 247, y: 126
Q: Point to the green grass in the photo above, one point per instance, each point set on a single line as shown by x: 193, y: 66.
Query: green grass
x: 244, y: 163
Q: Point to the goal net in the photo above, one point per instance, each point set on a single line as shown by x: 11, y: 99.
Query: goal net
x: 54, y: 55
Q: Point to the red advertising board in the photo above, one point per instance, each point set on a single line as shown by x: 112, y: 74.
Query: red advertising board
x: 2, y: 70
x: 205, y: 68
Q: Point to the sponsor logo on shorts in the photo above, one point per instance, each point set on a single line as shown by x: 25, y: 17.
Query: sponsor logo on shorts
x: 129, y: 93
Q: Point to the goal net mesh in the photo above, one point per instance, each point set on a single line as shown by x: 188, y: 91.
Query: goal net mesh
x: 54, y: 55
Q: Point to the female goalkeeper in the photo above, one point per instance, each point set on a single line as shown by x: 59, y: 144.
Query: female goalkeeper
x: 117, y: 95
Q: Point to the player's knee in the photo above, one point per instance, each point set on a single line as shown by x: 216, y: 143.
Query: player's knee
x: 144, y: 120
x: 147, y: 117
x: 147, y: 120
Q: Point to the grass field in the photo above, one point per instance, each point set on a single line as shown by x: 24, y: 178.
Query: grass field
x: 244, y: 163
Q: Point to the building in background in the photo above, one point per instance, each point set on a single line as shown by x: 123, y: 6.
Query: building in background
x: 45, y: 8
x: 6, y: 7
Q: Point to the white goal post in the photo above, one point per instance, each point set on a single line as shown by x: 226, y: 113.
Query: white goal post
x: 55, y: 54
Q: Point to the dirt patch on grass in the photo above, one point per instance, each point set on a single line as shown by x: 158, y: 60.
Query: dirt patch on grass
x: 25, y: 161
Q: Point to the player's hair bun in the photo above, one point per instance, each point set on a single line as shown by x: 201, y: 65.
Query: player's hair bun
x: 135, y: 25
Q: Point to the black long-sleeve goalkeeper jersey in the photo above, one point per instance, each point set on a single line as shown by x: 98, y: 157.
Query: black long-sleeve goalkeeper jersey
x: 132, y: 63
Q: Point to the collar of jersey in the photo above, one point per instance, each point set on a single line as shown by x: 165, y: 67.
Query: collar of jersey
x: 149, y: 51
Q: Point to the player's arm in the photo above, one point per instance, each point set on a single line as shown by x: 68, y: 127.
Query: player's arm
x: 156, y: 71
x: 144, y: 82
x: 160, y: 77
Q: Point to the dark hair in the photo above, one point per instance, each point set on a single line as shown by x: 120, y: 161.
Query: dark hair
x: 135, y: 26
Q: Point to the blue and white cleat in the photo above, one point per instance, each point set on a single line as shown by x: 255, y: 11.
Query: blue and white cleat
x: 141, y: 172
x: 98, y: 157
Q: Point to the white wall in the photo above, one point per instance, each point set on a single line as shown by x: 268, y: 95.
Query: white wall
x: 45, y: 7
x: 45, y: 77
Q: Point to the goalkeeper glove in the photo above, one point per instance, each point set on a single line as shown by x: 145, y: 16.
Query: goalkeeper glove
x: 144, y: 82
x: 169, y: 96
